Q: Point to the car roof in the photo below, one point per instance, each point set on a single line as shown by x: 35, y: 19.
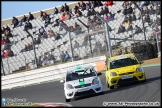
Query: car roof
x: 120, y: 56
x: 80, y: 67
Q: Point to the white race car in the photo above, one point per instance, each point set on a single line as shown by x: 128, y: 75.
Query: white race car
x: 80, y: 81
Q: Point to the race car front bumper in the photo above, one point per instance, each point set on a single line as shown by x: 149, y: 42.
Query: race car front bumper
x: 77, y: 92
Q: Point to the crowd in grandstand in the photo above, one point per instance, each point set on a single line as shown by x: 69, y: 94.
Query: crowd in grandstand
x: 128, y: 10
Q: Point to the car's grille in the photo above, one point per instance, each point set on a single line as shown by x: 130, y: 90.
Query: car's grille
x: 124, y: 81
x: 127, y: 73
x: 88, y: 92
x: 81, y: 86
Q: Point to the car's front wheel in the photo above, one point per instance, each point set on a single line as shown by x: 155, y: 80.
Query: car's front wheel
x: 111, y: 87
x: 67, y: 100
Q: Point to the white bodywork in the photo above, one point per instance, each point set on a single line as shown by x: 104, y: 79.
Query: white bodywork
x: 79, y: 89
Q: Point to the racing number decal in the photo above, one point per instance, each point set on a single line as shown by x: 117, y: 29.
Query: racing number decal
x: 81, y: 81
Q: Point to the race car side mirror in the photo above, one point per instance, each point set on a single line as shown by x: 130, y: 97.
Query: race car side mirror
x: 62, y: 81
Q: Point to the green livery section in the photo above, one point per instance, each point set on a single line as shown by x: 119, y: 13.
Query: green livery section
x: 82, y: 83
x: 78, y: 67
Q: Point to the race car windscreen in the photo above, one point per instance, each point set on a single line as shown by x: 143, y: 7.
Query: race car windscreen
x: 80, y: 74
x: 123, y: 62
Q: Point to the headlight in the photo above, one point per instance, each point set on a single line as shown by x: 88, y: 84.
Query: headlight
x: 69, y: 86
x: 95, y: 81
x: 113, y: 74
x: 139, y: 69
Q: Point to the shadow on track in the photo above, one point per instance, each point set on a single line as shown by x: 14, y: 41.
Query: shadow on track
x: 123, y: 87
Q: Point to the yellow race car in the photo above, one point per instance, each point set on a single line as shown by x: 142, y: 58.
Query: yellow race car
x: 123, y: 69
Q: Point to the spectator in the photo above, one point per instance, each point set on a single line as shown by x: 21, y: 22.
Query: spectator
x: 68, y: 16
x: 83, y: 6
x: 129, y: 10
x: 62, y: 56
x: 92, y: 4
x: 47, y: 21
x: 24, y: 49
x: 129, y: 28
x: 55, y: 11
x: 39, y: 61
x: 111, y: 17
x: 87, y: 6
x: 133, y: 17
x: 102, y: 11
x: 147, y: 18
x: 125, y: 11
x: 24, y: 19
x: 121, y: 29
x: 137, y: 30
x: 158, y: 10
x: 7, y: 47
x: 93, y: 12
x: 76, y: 45
x: 76, y: 8
x: 146, y: 11
x: 63, y: 17
x: 79, y: 6
x: 3, y: 30
x: 72, y: 15
x: 78, y: 29
x: 44, y: 16
x: 98, y: 3
x: 8, y: 34
x: 28, y: 25
x: 57, y: 36
x: 130, y: 18
x: 31, y: 46
x: 106, y: 10
x: 41, y: 30
x: 31, y: 17
x: 62, y: 24
x: 152, y: 11
x: 66, y: 7
x: 10, y: 54
x: 154, y: 24
x: 50, y: 33
x: 78, y: 13
x: 99, y: 22
x: 109, y: 3
x: 56, y: 23
x: 38, y: 40
x: 20, y: 23
x: 67, y: 56
x: 45, y: 35
x: 8, y: 28
x: 158, y: 21
x: 44, y: 60
x: 145, y: 3
x: 15, y: 22
x: 2, y: 41
x: 89, y: 13
x: 6, y: 52
x: 41, y: 14
x: 126, y: 19
x: 156, y: 30
x: 62, y: 8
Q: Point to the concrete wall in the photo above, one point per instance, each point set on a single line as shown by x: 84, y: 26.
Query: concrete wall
x: 37, y: 14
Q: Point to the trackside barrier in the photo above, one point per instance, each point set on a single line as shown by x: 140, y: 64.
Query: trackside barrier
x: 44, y: 74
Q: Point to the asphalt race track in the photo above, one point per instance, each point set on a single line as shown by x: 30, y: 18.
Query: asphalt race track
x: 149, y: 91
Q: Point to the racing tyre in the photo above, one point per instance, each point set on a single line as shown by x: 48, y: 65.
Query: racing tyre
x: 111, y: 87
x: 67, y: 100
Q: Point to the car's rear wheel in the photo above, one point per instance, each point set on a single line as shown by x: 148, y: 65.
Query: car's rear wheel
x: 67, y: 100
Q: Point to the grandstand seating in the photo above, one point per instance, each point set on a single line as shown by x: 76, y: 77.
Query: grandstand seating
x: 20, y: 38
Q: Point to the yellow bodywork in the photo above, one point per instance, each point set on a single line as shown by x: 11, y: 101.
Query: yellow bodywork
x: 123, y: 72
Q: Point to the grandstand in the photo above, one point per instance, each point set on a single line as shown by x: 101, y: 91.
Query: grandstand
x: 91, y: 41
